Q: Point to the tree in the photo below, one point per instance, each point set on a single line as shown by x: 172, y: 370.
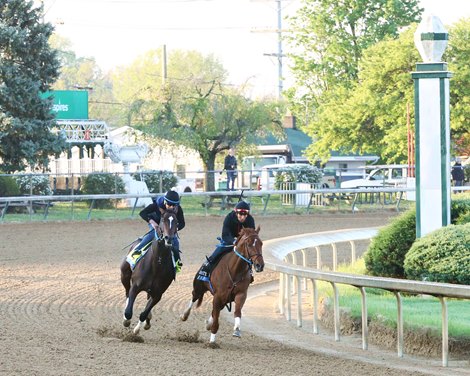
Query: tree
x: 458, y: 55
x: 331, y: 35
x: 192, y: 107
x: 214, y: 120
x: 330, y: 38
x: 28, y: 67
x: 370, y: 117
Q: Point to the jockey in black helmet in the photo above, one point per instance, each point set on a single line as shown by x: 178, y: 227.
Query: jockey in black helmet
x: 152, y: 214
x: 237, y: 219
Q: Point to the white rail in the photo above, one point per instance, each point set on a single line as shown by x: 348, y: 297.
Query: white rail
x: 277, y: 252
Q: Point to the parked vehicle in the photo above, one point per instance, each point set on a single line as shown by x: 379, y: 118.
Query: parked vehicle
x: 381, y: 176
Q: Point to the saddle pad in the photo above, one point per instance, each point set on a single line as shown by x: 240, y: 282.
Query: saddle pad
x: 134, y: 257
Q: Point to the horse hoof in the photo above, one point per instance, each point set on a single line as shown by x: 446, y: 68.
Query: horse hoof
x: 184, y: 317
x: 213, y: 345
x: 147, y: 326
x: 237, y: 333
x: 126, y: 323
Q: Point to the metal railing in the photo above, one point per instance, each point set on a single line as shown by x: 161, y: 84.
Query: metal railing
x: 280, y: 256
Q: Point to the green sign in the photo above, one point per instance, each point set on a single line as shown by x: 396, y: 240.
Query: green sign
x: 69, y: 104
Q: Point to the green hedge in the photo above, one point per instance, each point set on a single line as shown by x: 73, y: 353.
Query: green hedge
x: 8, y: 187
x: 103, y: 184
x: 441, y: 256
x: 386, y: 254
x: 152, y: 179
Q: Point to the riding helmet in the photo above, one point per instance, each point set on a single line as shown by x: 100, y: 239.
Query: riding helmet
x: 242, y: 206
x: 172, y: 197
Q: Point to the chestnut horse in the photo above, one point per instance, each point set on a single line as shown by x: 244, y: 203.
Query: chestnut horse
x: 229, y: 280
x: 154, y: 273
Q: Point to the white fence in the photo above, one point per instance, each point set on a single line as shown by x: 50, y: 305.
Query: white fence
x: 282, y: 255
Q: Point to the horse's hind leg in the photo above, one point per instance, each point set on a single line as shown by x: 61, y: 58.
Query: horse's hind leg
x: 198, y: 295
x: 126, y: 275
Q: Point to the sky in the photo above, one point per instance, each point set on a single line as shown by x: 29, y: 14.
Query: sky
x: 240, y: 33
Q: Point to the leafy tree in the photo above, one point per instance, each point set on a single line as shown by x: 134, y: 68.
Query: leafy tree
x: 212, y: 121
x: 370, y: 117
x: 330, y: 38
x: 332, y: 35
x: 28, y: 66
x: 192, y: 106
x: 458, y: 56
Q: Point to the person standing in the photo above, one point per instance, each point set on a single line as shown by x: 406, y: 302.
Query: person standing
x: 230, y: 165
x: 458, y: 174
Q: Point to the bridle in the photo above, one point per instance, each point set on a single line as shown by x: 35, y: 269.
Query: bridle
x: 252, y: 257
x: 161, y: 227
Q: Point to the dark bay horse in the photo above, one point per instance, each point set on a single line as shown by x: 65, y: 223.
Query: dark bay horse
x: 229, y: 280
x: 154, y: 273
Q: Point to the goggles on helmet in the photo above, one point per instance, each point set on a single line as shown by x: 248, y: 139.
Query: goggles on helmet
x: 242, y: 211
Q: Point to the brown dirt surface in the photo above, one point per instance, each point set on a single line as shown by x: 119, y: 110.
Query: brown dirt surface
x: 61, y: 307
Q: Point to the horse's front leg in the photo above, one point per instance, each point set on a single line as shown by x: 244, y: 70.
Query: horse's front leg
x: 239, y: 302
x: 144, y: 319
x: 213, y: 322
x: 129, y: 305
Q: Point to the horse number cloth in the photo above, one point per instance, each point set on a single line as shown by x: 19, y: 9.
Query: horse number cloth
x: 135, y: 256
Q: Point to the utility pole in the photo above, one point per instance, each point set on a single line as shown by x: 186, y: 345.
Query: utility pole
x: 279, y: 55
x: 164, y: 65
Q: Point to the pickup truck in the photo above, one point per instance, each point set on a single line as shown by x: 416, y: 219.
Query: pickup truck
x: 387, y: 176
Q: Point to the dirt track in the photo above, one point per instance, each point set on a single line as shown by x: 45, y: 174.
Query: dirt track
x: 61, y: 305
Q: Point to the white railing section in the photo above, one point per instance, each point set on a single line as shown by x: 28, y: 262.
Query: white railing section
x: 277, y: 253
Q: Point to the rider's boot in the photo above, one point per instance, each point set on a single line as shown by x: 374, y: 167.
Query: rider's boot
x: 178, y: 262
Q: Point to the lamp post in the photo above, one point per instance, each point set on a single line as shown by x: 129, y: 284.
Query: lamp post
x: 431, y: 88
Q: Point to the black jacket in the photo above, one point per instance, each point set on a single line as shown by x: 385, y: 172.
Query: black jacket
x: 230, y: 163
x: 458, y: 172
x: 232, y: 227
x: 152, y: 211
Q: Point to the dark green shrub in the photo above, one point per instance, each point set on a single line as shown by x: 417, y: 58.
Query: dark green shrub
x: 386, y: 254
x: 441, y: 256
x: 466, y: 170
x: 152, y: 179
x: 460, y: 208
x: 8, y: 187
x: 103, y: 184
x: 34, y: 184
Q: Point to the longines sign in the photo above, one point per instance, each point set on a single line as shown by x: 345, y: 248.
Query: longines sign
x: 69, y: 104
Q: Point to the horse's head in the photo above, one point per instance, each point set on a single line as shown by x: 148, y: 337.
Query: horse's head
x: 168, y: 226
x: 251, y: 245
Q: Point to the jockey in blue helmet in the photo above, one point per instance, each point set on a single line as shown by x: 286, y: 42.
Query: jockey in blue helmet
x: 152, y: 214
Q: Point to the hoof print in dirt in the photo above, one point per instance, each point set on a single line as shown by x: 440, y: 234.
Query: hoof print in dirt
x: 212, y: 345
x: 131, y: 337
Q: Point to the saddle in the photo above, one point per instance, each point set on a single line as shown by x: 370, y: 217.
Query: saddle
x: 135, y: 256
